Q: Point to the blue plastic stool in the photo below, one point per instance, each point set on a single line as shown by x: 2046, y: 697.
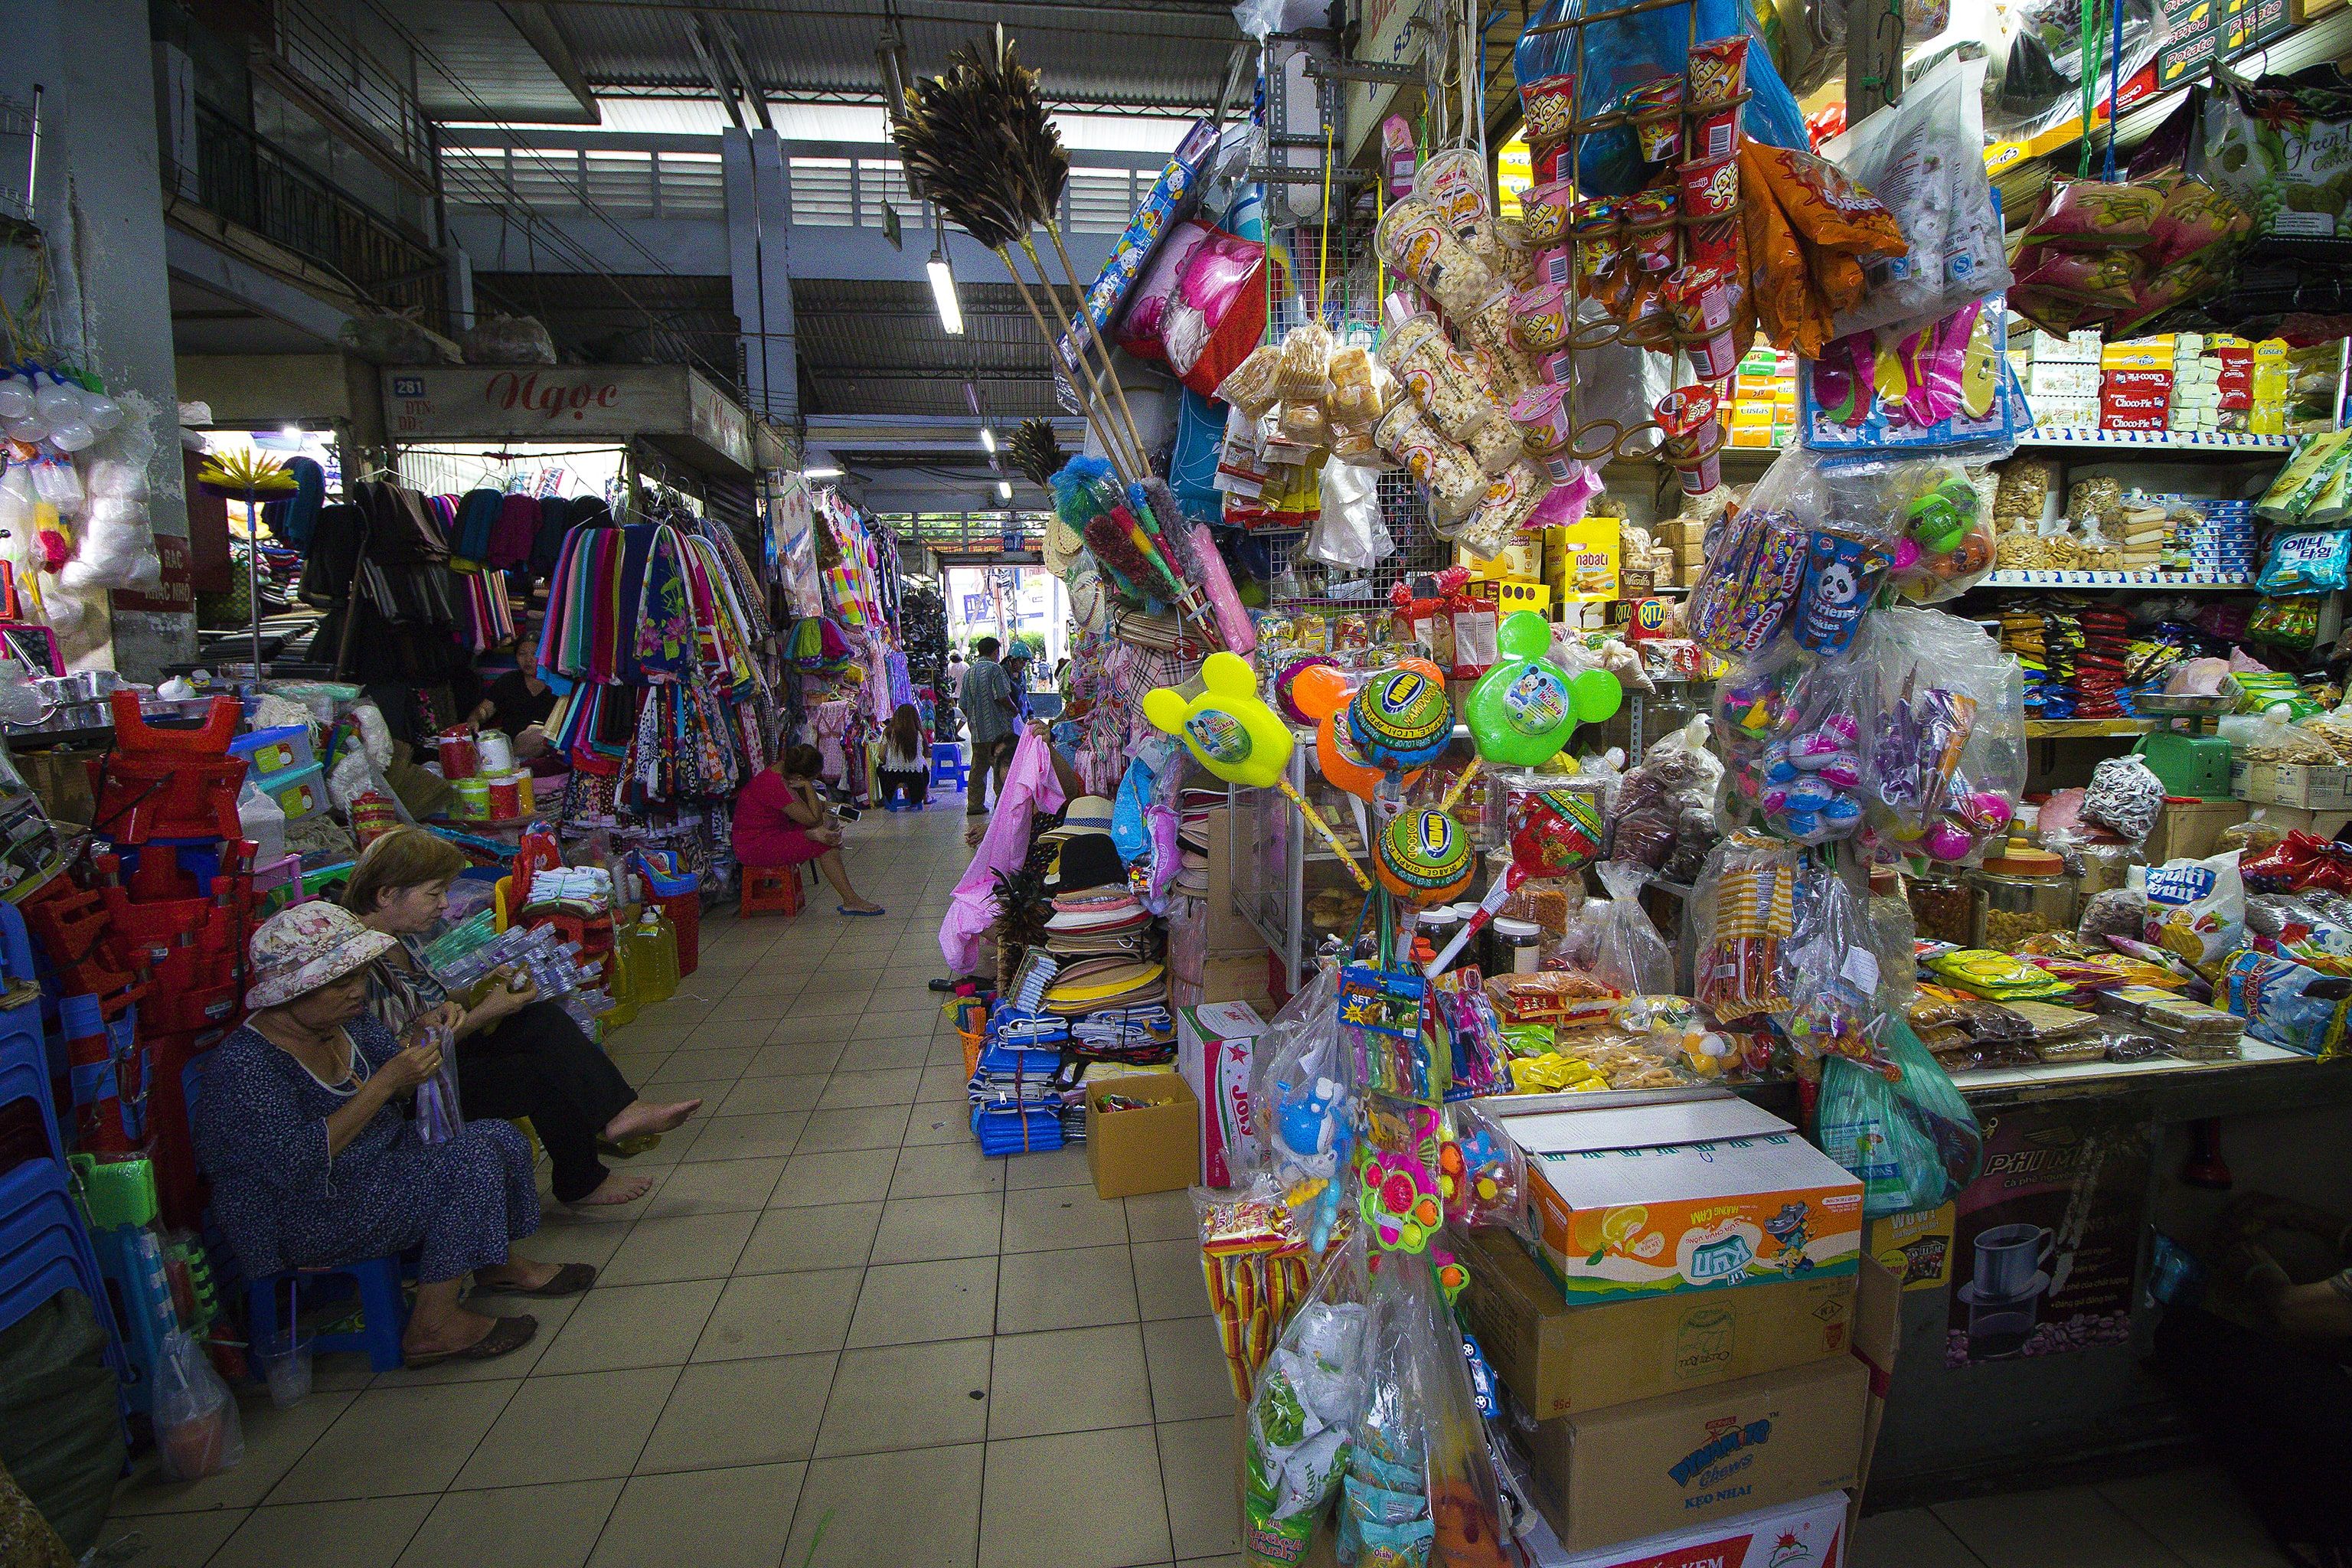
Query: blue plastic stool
x: 384, y: 1311
x: 948, y: 766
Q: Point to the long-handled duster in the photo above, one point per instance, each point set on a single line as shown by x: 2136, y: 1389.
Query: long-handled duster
x: 976, y: 141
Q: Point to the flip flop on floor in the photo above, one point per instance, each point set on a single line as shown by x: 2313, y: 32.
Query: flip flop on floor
x: 570, y: 1279
x: 856, y: 914
x: 506, y: 1335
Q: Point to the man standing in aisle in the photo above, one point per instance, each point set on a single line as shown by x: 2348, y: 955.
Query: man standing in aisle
x: 986, y: 698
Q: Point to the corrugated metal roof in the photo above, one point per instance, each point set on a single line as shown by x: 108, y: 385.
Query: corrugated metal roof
x: 877, y: 348
x: 1172, y: 53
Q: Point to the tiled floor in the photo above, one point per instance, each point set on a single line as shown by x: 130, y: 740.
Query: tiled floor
x: 834, y: 1334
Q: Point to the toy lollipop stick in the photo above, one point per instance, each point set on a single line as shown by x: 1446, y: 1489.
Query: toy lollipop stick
x: 1454, y: 790
x: 1315, y: 820
x: 1505, y: 886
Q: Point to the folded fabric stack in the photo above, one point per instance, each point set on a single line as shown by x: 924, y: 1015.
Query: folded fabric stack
x: 1139, y: 1036
x: 1020, y: 1098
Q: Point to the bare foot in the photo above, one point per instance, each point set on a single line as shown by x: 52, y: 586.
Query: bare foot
x: 974, y: 832
x: 637, y: 1117
x: 616, y: 1189
x: 520, y: 1271
x: 455, y: 1332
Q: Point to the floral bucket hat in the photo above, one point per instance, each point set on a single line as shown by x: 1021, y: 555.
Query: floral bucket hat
x: 309, y: 945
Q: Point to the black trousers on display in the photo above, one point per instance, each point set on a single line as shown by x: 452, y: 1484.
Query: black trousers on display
x: 538, y: 1064
x: 988, y: 758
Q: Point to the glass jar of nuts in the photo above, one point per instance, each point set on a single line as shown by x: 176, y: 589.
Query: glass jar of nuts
x: 2019, y: 893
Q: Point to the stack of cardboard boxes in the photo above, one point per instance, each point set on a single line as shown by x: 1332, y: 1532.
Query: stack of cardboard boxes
x: 1686, y: 1319
x: 2060, y: 377
x: 1680, y: 543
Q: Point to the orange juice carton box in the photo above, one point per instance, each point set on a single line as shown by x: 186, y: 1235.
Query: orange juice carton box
x: 1637, y: 1201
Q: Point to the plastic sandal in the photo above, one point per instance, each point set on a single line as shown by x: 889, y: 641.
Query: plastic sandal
x: 572, y: 1280
x: 857, y: 914
x: 506, y: 1336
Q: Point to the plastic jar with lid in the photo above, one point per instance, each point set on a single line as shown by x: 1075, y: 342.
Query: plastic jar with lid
x: 1514, y: 947
x: 2019, y: 893
x: 1439, y: 925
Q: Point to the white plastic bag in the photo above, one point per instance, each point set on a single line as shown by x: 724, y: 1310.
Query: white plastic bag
x: 1350, y: 533
x: 1923, y: 156
x: 1627, y: 951
x: 196, y: 1429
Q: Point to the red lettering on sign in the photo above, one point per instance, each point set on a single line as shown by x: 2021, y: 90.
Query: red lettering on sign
x: 509, y: 391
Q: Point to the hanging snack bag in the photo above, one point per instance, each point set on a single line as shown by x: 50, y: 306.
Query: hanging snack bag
x: 2306, y: 562
x: 1745, y: 899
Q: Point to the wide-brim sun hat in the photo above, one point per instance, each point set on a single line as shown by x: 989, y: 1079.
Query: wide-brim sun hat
x: 299, y: 950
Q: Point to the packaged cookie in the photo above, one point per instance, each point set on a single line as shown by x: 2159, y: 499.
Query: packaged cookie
x: 1255, y: 384
x: 1354, y: 398
x: 1306, y: 363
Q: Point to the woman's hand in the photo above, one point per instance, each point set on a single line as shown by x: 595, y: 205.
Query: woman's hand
x: 412, y: 1066
x: 504, y: 999
x: 1038, y: 728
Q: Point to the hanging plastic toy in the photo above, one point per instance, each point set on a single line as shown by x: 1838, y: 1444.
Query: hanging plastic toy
x: 1400, y: 717
x: 1398, y: 1193
x: 1422, y: 856
x: 1321, y: 693
x: 1232, y: 732
x: 1522, y: 713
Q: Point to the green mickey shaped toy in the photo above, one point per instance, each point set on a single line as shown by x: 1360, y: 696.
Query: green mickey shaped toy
x: 1523, y: 712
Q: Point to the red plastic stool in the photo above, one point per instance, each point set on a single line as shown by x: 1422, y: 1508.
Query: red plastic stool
x: 770, y: 890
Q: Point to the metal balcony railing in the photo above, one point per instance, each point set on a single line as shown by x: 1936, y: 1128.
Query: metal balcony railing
x: 252, y: 182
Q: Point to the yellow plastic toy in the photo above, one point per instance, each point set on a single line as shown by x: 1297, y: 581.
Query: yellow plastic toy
x: 1232, y: 732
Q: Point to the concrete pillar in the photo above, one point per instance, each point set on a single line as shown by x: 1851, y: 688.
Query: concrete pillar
x: 759, y: 249
x: 100, y: 206
x: 175, y: 119
x: 461, y: 283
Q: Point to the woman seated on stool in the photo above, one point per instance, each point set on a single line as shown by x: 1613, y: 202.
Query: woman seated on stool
x: 782, y: 823
x: 904, y: 768
x: 516, y: 1055
x: 300, y: 1127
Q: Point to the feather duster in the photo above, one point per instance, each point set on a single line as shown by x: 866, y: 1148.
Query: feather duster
x: 1037, y: 453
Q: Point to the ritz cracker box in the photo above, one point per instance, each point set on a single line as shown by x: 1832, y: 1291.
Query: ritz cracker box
x: 1641, y: 1201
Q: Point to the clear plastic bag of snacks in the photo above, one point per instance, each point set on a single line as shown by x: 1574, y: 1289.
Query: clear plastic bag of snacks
x: 1745, y: 899
x: 1303, y: 1412
x: 1829, y: 973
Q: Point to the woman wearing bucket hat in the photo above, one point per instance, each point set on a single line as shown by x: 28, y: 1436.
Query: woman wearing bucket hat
x: 300, y: 1127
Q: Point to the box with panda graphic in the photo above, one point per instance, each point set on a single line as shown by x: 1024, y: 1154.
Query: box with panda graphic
x: 1640, y: 1201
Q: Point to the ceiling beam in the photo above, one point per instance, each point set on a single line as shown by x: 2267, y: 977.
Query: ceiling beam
x: 544, y: 34
x: 734, y: 52
x: 711, y: 71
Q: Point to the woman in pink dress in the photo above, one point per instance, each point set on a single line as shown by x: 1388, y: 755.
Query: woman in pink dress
x: 781, y: 821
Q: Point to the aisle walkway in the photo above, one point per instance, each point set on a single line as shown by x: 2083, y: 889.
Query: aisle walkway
x: 834, y: 1334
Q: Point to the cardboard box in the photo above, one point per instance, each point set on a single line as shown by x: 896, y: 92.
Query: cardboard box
x: 1877, y: 1335
x: 1212, y: 1055
x: 1237, y: 977
x: 1650, y: 1200
x: 1154, y: 1148
x: 1228, y: 931
x: 1807, y: 1534
x: 2187, y: 828
x: 1560, y: 1360
x: 1629, y: 1471
x: 2292, y: 784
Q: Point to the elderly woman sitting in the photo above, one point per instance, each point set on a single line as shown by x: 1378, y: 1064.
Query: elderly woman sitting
x: 300, y: 1127
x: 516, y: 1055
